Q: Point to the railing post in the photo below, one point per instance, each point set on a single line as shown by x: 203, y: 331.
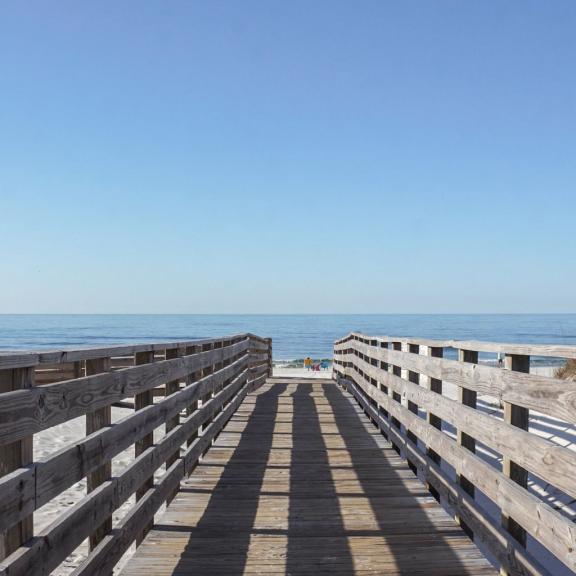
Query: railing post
x: 519, y: 417
x: 171, y: 423
x: 397, y: 371
x: 413, y: 377
x: 384, y: 389
x: 270, y: 364
x: 434, y: 385
x: 207, y: 397
x: 95, y: 421
x: 141, y: 401
x: 14, y: 456
x: 468, y: 398
x: 192, y: 407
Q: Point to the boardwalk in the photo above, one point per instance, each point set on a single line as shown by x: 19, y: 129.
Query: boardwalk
x: 300, y: 482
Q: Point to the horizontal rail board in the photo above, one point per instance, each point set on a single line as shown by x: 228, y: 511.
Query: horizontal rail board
x: 56, y: 542
x: 30, y: 488
x: 197, y: 383
x: 544, y: 350
x: 24, y: 359
x: 553, y: 463
x: 25, y: 412
x: 538, y: 518
x: 550, y: 396
x: 509, y: 553
x: 105, y: 556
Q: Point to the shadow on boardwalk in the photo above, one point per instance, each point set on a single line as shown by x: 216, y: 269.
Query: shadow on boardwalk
x: 310, y: 488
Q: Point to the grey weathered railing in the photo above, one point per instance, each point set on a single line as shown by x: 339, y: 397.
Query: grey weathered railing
x: 203, y: 382
x: 399, y: 383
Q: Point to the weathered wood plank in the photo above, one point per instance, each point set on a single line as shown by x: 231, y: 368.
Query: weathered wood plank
x: 538, y: 518
x: 509, y: 554
x: 250, y: 486
x: 23, y: 359
x: 12, y: 457
x: 553, y: 463
x: 28, y: 411
x: 525, y: 390
x: 545, y: 350
x: 518, y: 417
x: 95, y: 421
x: 32, y: 487
x: 104, y: 558
x: 55, y: 543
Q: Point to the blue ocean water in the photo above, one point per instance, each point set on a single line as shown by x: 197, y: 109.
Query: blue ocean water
x: 294, y: 336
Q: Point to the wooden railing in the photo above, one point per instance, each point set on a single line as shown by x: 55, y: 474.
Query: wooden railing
x: 202, y: 382
x: 402, y: 385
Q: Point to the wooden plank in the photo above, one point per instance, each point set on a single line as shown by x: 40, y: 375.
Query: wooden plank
x: 468, y: 398
x: 23, y: 359
x: 519, y: 417
x: 511, y: 556
x: 28, y: 411
x: 518, y: 388
x: 12, y: 457
x: 55, y: 543
x: 141, y: 401
x: 545, y: 350
x: 413, y: 377
x: 552, y: 529
x: 95, y: 421
x: 553, y: 463
x: 110, y: 550
x: 34, y: 486
x: 171, y: 423
x: 266, y: 501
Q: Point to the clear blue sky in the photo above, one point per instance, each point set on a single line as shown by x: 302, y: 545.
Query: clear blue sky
x: 288, y: 156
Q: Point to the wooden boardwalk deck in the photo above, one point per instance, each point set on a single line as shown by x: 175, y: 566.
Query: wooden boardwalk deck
x: 300, y: 482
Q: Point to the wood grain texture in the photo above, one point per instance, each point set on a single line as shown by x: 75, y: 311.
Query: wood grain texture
x: 9, y: 360
x: 511, y: 556
x: 518, y: 417
x: 555, y: 464
x: 300, y: 482
x: 517, y: 388
x: 546, y: 350
x: 24, y: 412
x: 52, y: 545
x: 13, y: 457
x: 95, y: 421
x: 553, y: 530
x: 32, y: 487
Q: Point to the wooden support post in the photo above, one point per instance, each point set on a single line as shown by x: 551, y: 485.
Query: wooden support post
x: 434, y: 385
x: 468, y: 398
x: 14, y: 456
x: 95, y: 421
x: 397, y: 371
x: 516, y: 416
x: 171, y: 423
x: 141, y: 401
x: 206, y: 372
x: 270, y: 364
x: 413, y: 377
x: 194, y: 377
x: 383, y: 388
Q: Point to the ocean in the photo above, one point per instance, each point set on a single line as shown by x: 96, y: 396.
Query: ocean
x: 294, y: 336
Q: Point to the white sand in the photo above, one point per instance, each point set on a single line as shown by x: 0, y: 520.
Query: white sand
x: 282, y: 372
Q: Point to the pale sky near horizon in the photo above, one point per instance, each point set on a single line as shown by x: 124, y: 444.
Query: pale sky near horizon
x: 285, y: 157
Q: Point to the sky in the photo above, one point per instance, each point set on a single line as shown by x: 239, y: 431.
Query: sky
x: 317, y: 156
